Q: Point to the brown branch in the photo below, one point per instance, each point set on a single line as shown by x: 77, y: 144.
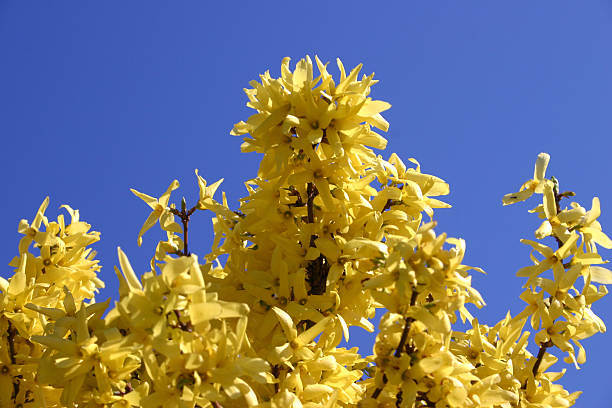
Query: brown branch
x: 276, y: 373
x: 378, y: 390
x: 540, y: 356
x: 399, y: 399
x: 11, y: 331
x: 183, y: 326
x: 388, y: 205
x: 318, y: 269
x: 311, y: 192
x: 409, y: 320
x: 402, y: 343
x: 127, y: 390
x: 421, y: 397
x: 215, y: 404
x: 184, y: 215
x: 298, y: 202
x: 547, y: 344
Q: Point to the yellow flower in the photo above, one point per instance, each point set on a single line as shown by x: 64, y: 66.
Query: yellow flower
x: 30, y: 231
x: 297, y: 344
x: 591, y: 228
x: 207, y: 192
x: 160, y: 212
x: 534, y: 185
x: 552, y: 258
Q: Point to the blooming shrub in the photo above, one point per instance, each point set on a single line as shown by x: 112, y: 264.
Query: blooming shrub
x: 328, y: 233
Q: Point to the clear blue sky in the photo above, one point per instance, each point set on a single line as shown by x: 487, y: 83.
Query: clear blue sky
x: 98, y: 97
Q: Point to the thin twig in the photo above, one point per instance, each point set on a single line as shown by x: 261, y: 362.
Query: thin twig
x: 311, y: 193
x: 402, y: 343
x: 409, y: 320
x: 183, y: 326
x: 11, y: 331
x: 544, y: 346
x: 127, y: 390
x: 184, y: 215
x: 318, y: 269
x: 276, y: 372
x: 540, y: 356
x: 388, y: 205
x: 298, y: 202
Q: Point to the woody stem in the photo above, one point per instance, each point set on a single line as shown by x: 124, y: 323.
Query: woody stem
x: 402, y: 344
x: 544, y: 346
x: 11, y: 331
x: 184, y: 215
x: 540, y: 356
x: 317, y: 268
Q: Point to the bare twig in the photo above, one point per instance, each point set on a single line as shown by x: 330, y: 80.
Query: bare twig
x: 11, y: 331
x: 183, y: 326
x: 318, y: 269
x: 184, y: 215
x: 402, y: 343
x: 276, y: 372
x: 547, y: 344
x: 388, y: 205
x: 540, y: 356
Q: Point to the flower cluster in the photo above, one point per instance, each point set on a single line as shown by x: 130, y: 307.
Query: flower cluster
x: 328, y: 233
x: 43, y: 295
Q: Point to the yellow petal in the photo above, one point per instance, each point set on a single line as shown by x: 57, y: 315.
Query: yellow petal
x: 54, y: 314
x: 550, y: 206
x: 302, y: 75
x: 149, y: 222
x: 517, y: 197
x: 316, y: 392
x: 163, y: 200
x: 334, y: 141
x: 18, y: 281
x: 200, y: 312
x: 497, y: 397
x: 325, y: 193
x: 568, y: 247
x: 539, y: 172
x: 373, y: 107
x: 379, y: 122
x: 544, y: 230
x: 286, y: 323
x: 40, y: 214
x: 600, y: 275
x: 370, y: 138
x: 431, y: 364
x: 593, y: 213
x: 151, y: 201
x: 598, y: 237
x: 344, y: 80
x: 128, y: 272
x: 6, y: 384
x: 65, y: 346
x: 309, y: 335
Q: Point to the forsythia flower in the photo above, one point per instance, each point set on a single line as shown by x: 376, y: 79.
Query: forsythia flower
x: 534, y: 185
x: 160, y: 211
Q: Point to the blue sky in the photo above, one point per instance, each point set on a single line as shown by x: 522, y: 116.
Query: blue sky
x: 100, y: 97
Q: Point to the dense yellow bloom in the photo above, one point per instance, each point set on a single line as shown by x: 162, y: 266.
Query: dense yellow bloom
x: 328, y: 233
